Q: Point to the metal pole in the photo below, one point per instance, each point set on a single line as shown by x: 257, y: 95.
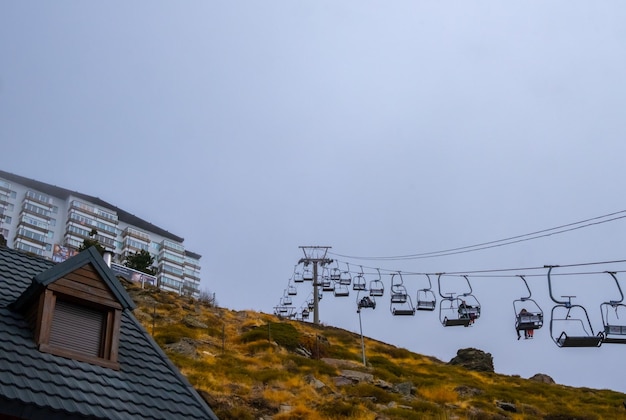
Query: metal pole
x: 316, y: 297
x: 362, y: 342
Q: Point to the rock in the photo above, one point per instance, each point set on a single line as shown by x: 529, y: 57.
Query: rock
x: 312, y: 380
x: 357, y: 376
x: 405, y: 388
x: 542, y: 377
x: 466, y: 391
x: 304, y: 352
x: 185, y: 346
x: 383, y: 385
x: 340, y: 363
x: 342, y: 381
x: 473, y: 359
x: 193, y: 322
x: 507, y: 406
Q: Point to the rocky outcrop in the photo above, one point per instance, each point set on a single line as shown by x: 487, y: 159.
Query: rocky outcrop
x: 473, y: 359
x: 542, y: 377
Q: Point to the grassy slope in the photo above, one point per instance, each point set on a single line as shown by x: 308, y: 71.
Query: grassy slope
x: 246, y: 365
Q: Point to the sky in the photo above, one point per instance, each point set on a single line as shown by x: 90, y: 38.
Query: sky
x: 379, y: 129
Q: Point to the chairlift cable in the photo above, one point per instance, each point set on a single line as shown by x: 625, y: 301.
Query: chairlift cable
x: 496, y: 243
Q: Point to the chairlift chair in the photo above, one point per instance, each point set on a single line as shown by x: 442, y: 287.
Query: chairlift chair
x: 461, y: 310
x: 305, y: 313
x: 377, y: 287
x: 335, y: 274
x: 298, y: 277
x: 281, y: 310
x: 528, y: 313
x: 325, y: 281
x: 358, y: 282
x: 365, y: 302
x: 327, y: 286
x: 341, y: 290
x: 307, y: 275
x: 426, y: 299
x: 292, y: 290
x: 577, y: 331
x: 400, y: 302
x: 286, y: 300
x: 614, y: 328
x: 449, y: 312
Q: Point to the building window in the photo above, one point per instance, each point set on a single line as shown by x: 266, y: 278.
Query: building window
x: 79, y: 329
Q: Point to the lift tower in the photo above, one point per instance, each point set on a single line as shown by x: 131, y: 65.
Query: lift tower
x: 315, y: 255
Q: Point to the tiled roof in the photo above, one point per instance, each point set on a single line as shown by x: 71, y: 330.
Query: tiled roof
x: 36, y: 385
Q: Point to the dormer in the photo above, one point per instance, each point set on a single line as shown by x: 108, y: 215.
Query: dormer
x: 74, y: 310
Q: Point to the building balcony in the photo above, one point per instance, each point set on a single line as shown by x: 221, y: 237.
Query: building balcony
x: 32, y: 238
x: 36, y: 211
x: 165, y: 257
x: 192, y: 277
x: 137, y: 234
x: 172, y: 246
x: 38, y: 198
x: 33, y: 224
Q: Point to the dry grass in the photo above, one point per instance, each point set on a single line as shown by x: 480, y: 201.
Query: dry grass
x: 246, y: 371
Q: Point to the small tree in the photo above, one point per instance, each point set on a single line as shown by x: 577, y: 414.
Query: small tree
x: 207, y: 297
x: 92, y: 241
x: 141, y: 261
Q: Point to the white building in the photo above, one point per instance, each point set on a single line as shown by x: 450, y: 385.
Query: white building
x: 53, y: 222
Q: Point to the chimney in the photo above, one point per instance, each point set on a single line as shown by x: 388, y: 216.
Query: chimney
x: 108, y: 255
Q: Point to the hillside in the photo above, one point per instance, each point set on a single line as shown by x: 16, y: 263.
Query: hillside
x: 250, y: 365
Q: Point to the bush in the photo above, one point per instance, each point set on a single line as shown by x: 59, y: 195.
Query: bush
x: 283, y: 334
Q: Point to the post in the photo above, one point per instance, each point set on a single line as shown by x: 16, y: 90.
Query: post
x: 314, y: 255
x: 316, y: 296
x: 362, y: 342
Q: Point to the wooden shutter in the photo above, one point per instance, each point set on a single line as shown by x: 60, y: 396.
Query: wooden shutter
x: 77, y: 328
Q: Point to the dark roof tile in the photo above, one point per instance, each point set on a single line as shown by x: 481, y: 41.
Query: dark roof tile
x: 41, y: 385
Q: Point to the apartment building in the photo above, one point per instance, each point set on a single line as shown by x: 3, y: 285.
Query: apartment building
x: 53, y: 222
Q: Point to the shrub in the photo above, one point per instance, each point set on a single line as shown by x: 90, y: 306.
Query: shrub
x: 283, y: 334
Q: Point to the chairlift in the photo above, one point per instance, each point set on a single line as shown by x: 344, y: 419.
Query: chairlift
x: 292, y: 290
x: 297, y: 275
x: 335, y: 274
x: 345, y: 278
x: 528, y: 314
x: 311, y: 304
x: 358, y: 282
x: 325, y: 282
x: 400, y: 302
x: 305, y: 313
x: 341, y: 290
x: 307, y: 275
x: 365, y: 302
x: 286, y: 300
x: 426, y: 299
x: 458, y: 310
x: 577, y: 330
x: 284, y: 311
x: 377, y: 287
x: 614, y: 330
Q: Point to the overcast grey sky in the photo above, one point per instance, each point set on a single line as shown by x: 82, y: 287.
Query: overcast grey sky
x: 377, y: 128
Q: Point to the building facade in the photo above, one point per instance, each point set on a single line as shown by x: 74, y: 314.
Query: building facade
x: 52, y: 222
